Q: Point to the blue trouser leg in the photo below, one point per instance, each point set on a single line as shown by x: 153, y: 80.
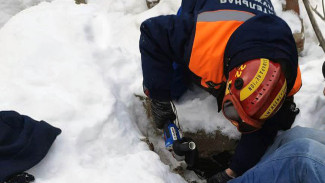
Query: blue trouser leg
x: 180, y: 81
x: 297, y: 156
x: 180, y: 77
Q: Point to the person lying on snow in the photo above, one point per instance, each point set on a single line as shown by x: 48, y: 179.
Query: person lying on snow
x: 241, y: 53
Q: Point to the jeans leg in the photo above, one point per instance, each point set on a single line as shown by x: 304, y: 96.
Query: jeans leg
x: 299, y: 161
x: 297, y: 132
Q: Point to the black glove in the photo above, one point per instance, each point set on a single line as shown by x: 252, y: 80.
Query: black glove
x: 184, y: 148
x: 287, y: 114
x: 20, y: 178
x: 162, y: 113
x: 206, y: 167
x: 220, y: 177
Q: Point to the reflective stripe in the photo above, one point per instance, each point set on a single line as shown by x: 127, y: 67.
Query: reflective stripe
x: 224, y: 15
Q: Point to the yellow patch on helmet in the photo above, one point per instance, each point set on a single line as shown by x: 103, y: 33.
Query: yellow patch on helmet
x: 257, y: 80
x: 276, y: 101
x: 240, y: 71
x: 227, y: 87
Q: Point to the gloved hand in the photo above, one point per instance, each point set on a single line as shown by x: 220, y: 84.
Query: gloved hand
x: 287, y: 113
x: 186, y: 147
x: 20, y: 178
x: 182, y: 148
x: 220, y: 177
x: 162, y: 112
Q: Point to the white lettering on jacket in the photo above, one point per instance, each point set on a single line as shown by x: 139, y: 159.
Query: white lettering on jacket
x: 259, y: 5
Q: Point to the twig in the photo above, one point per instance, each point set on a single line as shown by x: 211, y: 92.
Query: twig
x: 317, y: 13
x: 80, y: 1
x: 314, y: 24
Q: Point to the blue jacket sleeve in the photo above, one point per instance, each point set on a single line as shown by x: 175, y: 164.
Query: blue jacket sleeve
x: 163, y: 40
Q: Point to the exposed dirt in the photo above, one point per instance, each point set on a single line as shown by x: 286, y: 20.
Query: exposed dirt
x: 215, y: 149
x: 152, y: 3
x: 80, y: 1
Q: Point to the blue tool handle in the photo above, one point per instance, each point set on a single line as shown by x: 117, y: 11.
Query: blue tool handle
x: 171, y: 134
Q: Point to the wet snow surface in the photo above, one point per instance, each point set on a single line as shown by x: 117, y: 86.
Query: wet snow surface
x: 78, y: 68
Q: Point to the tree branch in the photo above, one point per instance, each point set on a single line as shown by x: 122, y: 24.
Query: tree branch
x: 314, y: 24
x: 317, y: 13
x: 80, y: 1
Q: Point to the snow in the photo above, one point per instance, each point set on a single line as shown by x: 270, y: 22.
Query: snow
x: 78, y: 68
x: 12, y: 7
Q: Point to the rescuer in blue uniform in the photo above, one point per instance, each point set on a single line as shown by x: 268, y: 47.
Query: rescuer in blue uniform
x: 230, y: 48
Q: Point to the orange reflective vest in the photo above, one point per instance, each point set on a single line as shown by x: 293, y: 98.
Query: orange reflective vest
x: 213, y: 30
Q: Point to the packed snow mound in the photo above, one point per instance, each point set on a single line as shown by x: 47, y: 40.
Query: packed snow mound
x: 60, y: 64
x: 78, y: 68
x: 12, y: 7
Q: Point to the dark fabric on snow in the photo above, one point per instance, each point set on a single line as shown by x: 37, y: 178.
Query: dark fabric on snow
x: 23, y: 142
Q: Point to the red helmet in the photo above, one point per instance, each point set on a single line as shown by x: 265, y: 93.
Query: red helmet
x: 255, y: 91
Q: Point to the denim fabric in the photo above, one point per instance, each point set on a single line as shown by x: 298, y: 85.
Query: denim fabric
x: 297, y: 156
